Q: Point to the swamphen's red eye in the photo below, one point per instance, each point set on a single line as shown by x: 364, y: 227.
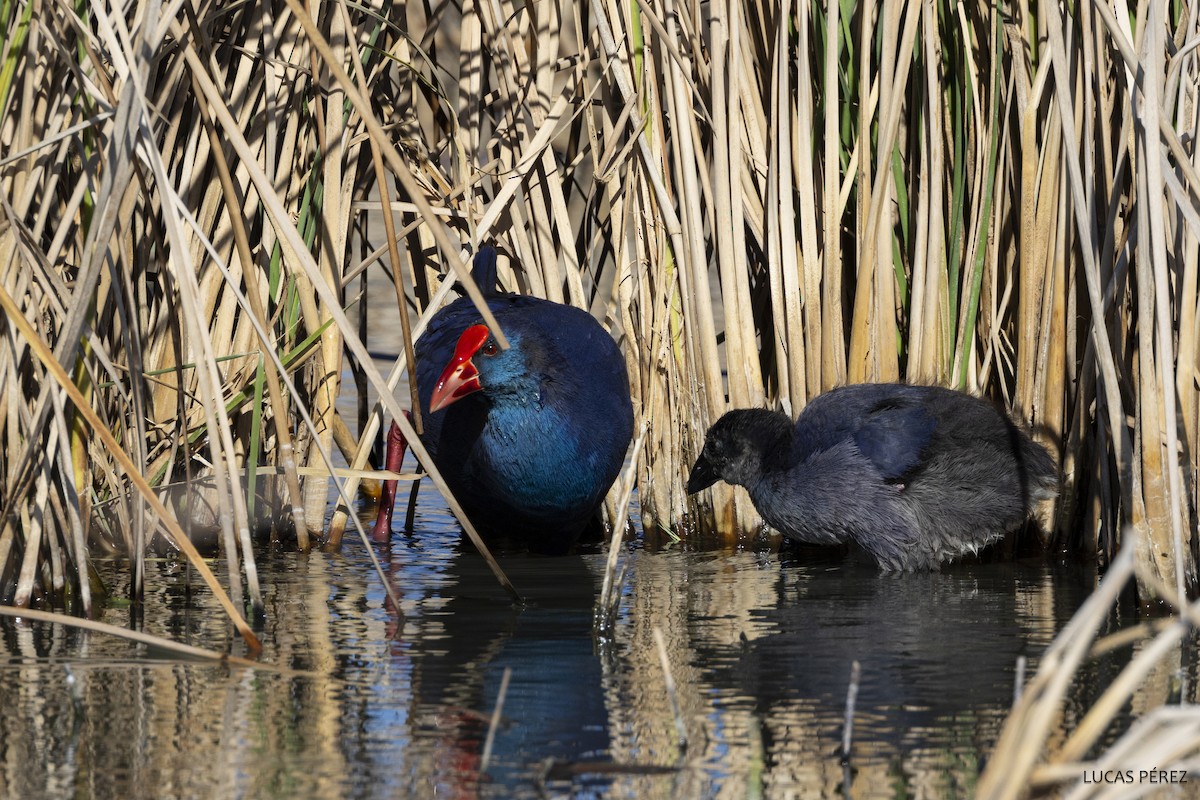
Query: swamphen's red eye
x: 489, y: 348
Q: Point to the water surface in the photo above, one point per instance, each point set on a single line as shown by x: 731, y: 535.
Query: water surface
x: 760, y: 646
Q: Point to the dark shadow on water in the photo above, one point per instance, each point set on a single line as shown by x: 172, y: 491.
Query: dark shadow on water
x: 554, y: 707
x: 929, y: 644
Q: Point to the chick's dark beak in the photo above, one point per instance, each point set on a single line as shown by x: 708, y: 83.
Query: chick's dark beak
x: 703, y: 475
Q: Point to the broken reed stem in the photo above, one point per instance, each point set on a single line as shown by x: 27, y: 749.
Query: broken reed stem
x: 167, y: 645
x: 851, y: 701
x: 672, y: 694
x: 610, y: 590
x: 341, y: 515
x: 1029, y: 723
x: 494, y: 723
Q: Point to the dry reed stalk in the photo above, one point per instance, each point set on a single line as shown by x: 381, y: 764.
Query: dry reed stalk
x: 608, y: 600
x: 494, y: 721
x: 166, y: 645
x: 1014, y: 765
x: 341, y: 514
x: 672, y: 696
x: 848, y: 717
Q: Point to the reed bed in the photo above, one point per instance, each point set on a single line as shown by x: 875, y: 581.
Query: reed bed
x: 760, y: 200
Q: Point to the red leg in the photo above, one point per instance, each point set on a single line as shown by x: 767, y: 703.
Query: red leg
x: 396, y: 445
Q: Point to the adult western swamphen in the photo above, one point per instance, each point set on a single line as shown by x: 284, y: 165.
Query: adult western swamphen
x: 915, y: 475
x: 530, y: 438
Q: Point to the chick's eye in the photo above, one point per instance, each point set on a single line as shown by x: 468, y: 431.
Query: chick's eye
x: 489, y: 348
